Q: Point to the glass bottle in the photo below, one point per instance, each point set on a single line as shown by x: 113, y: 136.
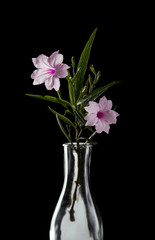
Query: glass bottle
x: 76, y: 217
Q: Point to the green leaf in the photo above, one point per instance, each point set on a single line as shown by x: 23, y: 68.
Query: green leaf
x: 83, y: 92
x: 64, y: 131
x: 73, y: 64
x: 68, y: 77
x: 70, y: 90
x: 65, y: 119
x: 62, y: 128
x: 50, y: 99
x: 97, y: 92
x: 90, y: 80
x: 80, y: 117
x: 68, y: 112
x: 72, y: 86
x: 83, y: 62
x: 97, y: 77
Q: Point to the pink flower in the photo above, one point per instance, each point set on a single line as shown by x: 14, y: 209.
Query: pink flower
x: 100, y: 115
x: 49, y: 70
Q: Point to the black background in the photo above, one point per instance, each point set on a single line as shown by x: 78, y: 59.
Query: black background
x: 43, y: 28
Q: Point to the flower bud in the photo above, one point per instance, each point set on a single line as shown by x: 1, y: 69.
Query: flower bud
x: 92, y: 69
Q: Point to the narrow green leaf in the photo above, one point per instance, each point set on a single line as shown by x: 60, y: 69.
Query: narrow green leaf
x: 80, y: 117
x: 62, y: 128
x: 64, y: 132
x: 75, y: 81
x: 70, y: 90
x: 73, y: 64
x: 72, y: 86
x: 65, y: 119
x: 68, y: 77
x: 83, y: 92
x: 50, y: 99
x: 90, y: 80
x: 97, y: 77
x: 97, y: 92
x: 83, y: 62
x: 68, y: 112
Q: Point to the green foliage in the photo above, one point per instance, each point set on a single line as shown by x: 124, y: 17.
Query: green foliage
x: 62, y: 128
x: 62, y: 117
x: 81, y: 90
x: 64, y: 103
x: 82, y: 64
x: 96, y: 93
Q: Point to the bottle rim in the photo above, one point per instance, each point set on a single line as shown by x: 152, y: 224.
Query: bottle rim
x: 75, y: 144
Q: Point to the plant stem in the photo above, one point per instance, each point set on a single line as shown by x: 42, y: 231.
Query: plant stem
x: 77, y: 181
x: 91, y: 136
x: 59, y: 94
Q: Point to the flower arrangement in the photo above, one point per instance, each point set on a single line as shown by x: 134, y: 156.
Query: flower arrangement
x: 80, y: 111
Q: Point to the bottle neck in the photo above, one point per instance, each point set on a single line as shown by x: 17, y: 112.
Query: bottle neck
x: 76, y: 172
x: 77, y: 164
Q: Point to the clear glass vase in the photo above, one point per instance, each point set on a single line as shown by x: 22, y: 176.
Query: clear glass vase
x: 76, y: 216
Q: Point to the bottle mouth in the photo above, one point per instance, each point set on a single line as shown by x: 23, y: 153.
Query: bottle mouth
x: 75, y: 144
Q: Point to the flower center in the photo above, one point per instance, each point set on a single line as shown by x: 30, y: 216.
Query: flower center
x: 51, y: 71
x: 100, y: 115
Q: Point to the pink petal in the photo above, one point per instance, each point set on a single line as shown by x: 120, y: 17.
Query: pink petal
x: 41, y: 61
x: 51, y: 58
x: 93, y: 107
x: 105, y: 104
x: 115, y: 115
x: 53, y: 54
x: 61, y: 70
x: 34, y: 74
x: 55, y: 59
x: 56, y: 84
x: 102, y: 126
x: 110, y: 117
x: 37, y: 73
x: 39, y: 76
x: 109, y: 105
x: 58, y: 59
x: 91, y: 119
x: 49, y: 83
